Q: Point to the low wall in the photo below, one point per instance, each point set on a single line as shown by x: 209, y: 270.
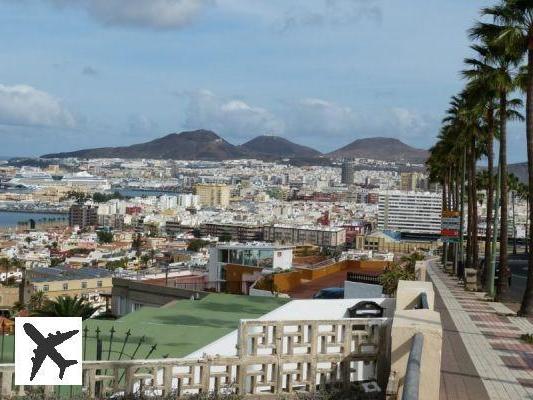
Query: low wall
x: 287, y: 281
x: 407, y: 322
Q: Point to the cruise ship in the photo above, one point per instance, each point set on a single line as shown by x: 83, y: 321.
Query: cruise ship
x: 84, y: 179
x: 30, y: 177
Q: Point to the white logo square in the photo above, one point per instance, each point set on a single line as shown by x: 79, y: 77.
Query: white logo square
x: 48, y: 351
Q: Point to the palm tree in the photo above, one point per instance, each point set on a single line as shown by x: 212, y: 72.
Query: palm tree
x: 37, y: 300
x: 479, y: 74
x: 513, y: 29
x: 448, y: 155
x: 504, y: 62
x: 5, y: 263
x: 66, y: 306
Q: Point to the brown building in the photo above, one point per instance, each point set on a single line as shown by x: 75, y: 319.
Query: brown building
x: 83, y: 215
x: 238, y: 232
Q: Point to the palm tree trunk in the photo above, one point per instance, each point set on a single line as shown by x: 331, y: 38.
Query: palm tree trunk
x: 475, y: 247
x: 526, y: 307
x: 444, y: 208
x: 513, y: 196
x: 468, y: 263
x: 526, y: 247
x: 503, y: 273
x: 490, y: 187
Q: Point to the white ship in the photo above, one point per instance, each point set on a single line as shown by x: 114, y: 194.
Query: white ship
x: 84, y: 179
x: 30, y: 177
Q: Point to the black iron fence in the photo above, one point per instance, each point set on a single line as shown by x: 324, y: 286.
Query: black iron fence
x: 362, y: 278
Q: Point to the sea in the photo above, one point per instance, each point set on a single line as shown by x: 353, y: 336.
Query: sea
x: 11, y: 219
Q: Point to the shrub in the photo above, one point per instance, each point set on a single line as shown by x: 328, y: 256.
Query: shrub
x: 393, y: 274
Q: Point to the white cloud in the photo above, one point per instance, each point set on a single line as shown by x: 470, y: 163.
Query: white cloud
x: 233, y: 118
x: 313, y: 121
x: 24, y: 105
x: 157, y: 14
x: 322, y: 122
x: 142, y: 126
x: 330, y: 13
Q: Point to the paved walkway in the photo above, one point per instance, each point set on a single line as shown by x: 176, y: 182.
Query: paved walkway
x: 482, y: 356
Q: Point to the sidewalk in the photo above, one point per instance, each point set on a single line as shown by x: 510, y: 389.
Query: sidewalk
x: 482, y: 354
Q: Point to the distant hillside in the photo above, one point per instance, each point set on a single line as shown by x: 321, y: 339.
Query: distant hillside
x: 381, y: 148
x: 278, y: 147
x: 191, y: 145
x: 520, y: 170
x: 207, y: 145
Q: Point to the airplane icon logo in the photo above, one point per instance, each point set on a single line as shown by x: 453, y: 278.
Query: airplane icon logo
x: 48, y: 351
x: 47, y: 347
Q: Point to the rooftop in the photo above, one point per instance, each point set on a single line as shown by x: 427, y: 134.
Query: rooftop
x: 254, y: 245
x: 47, y: 274
x: 181, y: 327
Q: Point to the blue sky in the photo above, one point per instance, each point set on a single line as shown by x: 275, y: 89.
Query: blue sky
x: 90, y: 73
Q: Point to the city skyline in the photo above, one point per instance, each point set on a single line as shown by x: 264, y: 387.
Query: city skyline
x: 322, y: 73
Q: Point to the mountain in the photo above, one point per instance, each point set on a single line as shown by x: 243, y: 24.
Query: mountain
x: 520, y: 171
x: 207, y: 145
x: 190, y: 145
x: 266, y: 146
x: 381, y: 148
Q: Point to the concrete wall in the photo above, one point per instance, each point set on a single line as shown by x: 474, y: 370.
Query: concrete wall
x: 407, y: 322
x: 408, y: 294
x: 128, y: 295
x: 358, y: 290
x: 286, y: 281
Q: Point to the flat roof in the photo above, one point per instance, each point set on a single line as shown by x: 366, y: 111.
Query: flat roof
x: 64, y: 273
x: 181, y: 327
x: 254, y: 245
x: 307, y: 310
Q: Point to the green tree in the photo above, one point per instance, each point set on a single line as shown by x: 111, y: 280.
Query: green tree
x: 37, y: 300
x: 196, y: 245
x: 144, y: 260
x: 5, y: 264
x: 503, y: 77
x: 137, y: 243
x: 112, y: 265
x: 392, y: 275
x: 66, y: 306
x: 104, y: 237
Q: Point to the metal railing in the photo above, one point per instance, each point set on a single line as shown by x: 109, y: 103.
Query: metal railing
x: 422, y: 302
x: 412, y: 374
x: 274, y: 357
x: 362, y: 278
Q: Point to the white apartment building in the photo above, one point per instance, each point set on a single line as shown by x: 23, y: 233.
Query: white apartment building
x: 412, y: 212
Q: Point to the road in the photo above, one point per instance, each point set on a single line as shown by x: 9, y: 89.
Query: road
x: 518, y: 266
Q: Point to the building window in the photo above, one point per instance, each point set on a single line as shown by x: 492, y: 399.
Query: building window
x: 98, y: 283
x: 45, y: 288
x: 65, y: 286
x: 84, y: 285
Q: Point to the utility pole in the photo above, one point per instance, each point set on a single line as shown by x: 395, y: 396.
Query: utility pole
x: 492, y: 265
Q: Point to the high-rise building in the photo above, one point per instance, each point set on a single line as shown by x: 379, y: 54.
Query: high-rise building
x: 347, y: 175
x: 410, y: 181
x: 213, y: 194
x: 83, y: 215
x: 414, y: 212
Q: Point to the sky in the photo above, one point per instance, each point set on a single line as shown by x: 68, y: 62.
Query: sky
x: 91, y: 73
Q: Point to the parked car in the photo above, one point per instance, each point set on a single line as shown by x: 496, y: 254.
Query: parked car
x: 330, y: 293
